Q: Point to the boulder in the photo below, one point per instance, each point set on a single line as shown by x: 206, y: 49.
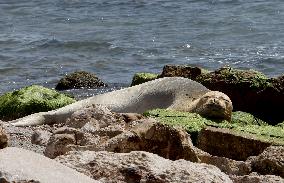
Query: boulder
x: 226, y: 165
x: 138, y: 166
x: 270, y: 161
x: 229, y: 144
x: 3, y: 138
x: 31, y: 99
x: 62, y: 141
x: 250, y: 91
x: 254, y: 178
x: 40, y: 137
x: 181, y: 71
x: 143, y: 77
x: 19, y: 165
x: 168, y: 142
x: 79, y: 79
x: 241, y: 122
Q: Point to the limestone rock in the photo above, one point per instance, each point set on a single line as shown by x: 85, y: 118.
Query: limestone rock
x: 257, y: 179
x: 59, y: 143
x: 3, y: 138
x: 157, y: 138
x: 40, y: 137
x: 79, y: 79
x: 270, y: 161
x: 138, y: 166
x: 19, y: 165
x: 226, y: 165
x: 99, y: 115
x: 226, y: 143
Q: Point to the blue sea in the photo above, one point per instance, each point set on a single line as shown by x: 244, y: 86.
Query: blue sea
x: 41, y: 41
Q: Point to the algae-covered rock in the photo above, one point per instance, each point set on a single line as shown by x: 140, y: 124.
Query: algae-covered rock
x: 143, y: 77
x: 241, y: 122
x: 31, y: 99
x: 182, y: 71
x: 250, y: 91
x: 79, y: 79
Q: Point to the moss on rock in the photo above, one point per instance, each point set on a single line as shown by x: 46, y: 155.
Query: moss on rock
x: 143, y: 77
x: 31, y: 99
x: 244, y: 123
x: 250, y: 78
x: 79, y: 79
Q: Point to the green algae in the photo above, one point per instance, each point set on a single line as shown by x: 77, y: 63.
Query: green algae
x: 243, y: 123
x: 31, y: 99
x: 143, y: 77
x: 251, y: 78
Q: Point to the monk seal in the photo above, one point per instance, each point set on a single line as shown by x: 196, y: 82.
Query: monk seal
x: 174, y: 93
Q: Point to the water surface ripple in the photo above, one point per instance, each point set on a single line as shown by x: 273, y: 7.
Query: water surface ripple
x: 40, y: 41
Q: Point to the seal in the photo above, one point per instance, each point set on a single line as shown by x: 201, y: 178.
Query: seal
x: 174, y: 93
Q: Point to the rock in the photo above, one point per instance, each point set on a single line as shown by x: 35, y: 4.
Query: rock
x: 3, y: 138
x: 40, y: 137
x: 62, y: 141
x: 181, y: 71
x: 129, y: 117
x: 229, y: 144
x: 270, y: 161
x: 226, y: 165
x: 18, y: 164
x: 250, y: 91
x: 143, y: 77
x: 79, y: 79
x: 138, y: 166
x: 257, y: 179
x: 91, y: 114
x: 31, y: 99
x: 241, y: 123
x: 156, y: 138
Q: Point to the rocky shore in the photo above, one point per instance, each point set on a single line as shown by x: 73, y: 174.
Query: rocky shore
x: 96, y: 144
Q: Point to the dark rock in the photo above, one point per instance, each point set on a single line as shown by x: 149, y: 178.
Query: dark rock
x: 250, y: 91
x: 181, y: 71
x: 79, y: 79
x: 271, y: 161
x: 229, y: 144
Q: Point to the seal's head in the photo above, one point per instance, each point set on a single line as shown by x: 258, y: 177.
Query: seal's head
x: 214, y: 104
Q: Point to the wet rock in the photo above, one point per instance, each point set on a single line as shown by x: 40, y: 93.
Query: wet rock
x: 3, y: 138
x: 19, y: 165
x: 31, y: 99
x: 140, y: 166
x: 168, y: 142
x: 181, y: 71
x: 143, y: 77
x: 270, y: 161
x: 254, y: 178
x: 79, y: 79
x: 229, y: 144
